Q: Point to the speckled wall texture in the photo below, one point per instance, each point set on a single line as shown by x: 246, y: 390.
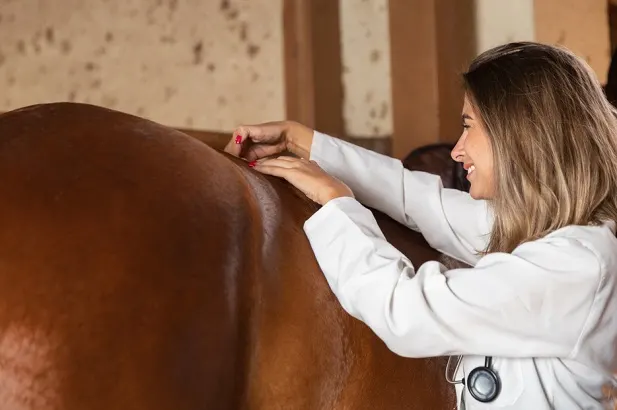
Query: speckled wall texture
x: 503, y: 21
x: 366, y: 67
x: 214, y: 64
x: 208, y: 64
x: 580, y: 25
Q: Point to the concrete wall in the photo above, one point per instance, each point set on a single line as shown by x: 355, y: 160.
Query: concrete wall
x: 192, y: 63
x: 214, y: 64
x: 366, y: 68
x: 580, y: 25
x: 207, y: 64
x: 503, y: 21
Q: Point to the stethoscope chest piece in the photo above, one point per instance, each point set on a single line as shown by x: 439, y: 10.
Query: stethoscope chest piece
x: 483, y: 384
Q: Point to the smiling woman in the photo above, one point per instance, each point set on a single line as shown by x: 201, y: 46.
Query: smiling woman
x: 530, y: 320
x: 473, y: 149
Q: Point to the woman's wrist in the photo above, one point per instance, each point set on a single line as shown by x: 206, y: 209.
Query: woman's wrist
x: 299, y: 139
x: 334, y: 193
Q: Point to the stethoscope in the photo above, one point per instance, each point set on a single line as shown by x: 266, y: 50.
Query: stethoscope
x: 483, y: 382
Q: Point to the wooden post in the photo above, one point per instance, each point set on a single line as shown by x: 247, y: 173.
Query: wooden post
x: 313, y: 67
x: 580, y: 25
x: 456, y: 48
x: 431, y: 42
x: 415, y: 97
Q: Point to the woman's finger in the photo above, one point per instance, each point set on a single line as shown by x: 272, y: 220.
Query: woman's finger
x: 256, y: 151
x: 289, y: 158
x: 277, y: 171
x: 268, y: 132
x: 244, y: 132
x: 240, y: 136
x: 281, y: 162
x: 232, y: 147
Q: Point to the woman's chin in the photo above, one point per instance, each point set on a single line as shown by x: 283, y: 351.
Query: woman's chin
x: 475, y: 192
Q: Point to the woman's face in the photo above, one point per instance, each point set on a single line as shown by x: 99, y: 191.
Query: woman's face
x: 473, y: 149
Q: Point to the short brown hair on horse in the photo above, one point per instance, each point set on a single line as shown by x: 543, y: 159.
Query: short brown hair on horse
x: 141, y: 269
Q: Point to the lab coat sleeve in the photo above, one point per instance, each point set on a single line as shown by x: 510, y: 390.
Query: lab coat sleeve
x: 450, y: 220
x: 533, y: 302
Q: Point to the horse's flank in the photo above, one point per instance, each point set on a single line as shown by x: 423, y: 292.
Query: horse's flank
x: 141, y: 269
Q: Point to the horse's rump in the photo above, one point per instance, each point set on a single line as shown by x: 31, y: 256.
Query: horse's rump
x: 141, y: 269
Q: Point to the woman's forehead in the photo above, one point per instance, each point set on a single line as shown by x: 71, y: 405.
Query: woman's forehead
x: 468, y: 110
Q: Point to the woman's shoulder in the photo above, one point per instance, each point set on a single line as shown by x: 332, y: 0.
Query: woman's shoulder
x: 599, y: 243
x: 598, y: 240
x: 584, y: 252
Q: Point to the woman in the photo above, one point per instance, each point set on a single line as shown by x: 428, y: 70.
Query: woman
x: 534, y: 319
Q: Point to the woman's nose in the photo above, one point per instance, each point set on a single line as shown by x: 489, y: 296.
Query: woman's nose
x: 458, y: 152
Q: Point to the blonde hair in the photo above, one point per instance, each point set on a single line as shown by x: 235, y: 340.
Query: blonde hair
x: 554, y: 141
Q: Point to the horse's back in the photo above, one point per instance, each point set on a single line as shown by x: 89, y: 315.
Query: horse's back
x: 141, y: 269
x: 108, y: 297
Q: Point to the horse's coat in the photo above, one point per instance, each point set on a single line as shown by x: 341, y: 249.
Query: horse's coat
x: 140, y: 269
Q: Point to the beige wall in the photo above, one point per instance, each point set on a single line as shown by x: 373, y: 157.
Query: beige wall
x: 208, y: 64
x: 213, y: 64
x: 366, y: 68
x: 580, y: 25
x: 503, y: 21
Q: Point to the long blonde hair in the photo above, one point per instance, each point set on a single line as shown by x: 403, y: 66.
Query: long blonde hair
x: 554, y: 141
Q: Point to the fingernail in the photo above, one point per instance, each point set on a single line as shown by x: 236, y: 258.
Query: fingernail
x: 252, y: 164
x: 238, y: 139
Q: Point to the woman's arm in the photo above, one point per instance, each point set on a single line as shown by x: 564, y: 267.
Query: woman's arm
x: 450, y: 220
x: 532, y: 303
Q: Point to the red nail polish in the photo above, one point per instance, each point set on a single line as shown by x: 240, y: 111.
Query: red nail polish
x: 252, y: 164
x: 238, y: 139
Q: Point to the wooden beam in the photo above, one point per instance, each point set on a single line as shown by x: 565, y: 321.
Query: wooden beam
x: 612, y: 26
x: 313, y: 67
x: 415, y: 97
x: 431, y: 42
x: 456, y: 48
x: 580, y: 25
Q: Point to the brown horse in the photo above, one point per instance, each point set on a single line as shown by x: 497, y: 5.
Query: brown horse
x: 435, y: 158
x: 141, y: 269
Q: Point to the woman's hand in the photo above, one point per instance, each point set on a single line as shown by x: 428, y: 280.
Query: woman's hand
x: 253, y: 142
x: 307, y: 176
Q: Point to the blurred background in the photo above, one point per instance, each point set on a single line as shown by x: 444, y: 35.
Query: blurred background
x: 383, y: 74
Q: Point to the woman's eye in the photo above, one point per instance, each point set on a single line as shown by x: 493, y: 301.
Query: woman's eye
x: 465, y: 126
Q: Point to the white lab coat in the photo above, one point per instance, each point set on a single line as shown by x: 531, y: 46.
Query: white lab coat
x: 547, y: 312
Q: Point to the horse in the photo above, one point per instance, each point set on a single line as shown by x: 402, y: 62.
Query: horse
x: 435, y: 159
x: 142, y: 269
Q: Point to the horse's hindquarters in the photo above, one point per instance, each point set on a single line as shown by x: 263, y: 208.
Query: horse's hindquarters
x: 118, y: 265
x: 140, y: 269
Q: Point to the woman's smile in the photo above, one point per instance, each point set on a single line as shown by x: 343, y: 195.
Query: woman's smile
x: 470, y: 168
